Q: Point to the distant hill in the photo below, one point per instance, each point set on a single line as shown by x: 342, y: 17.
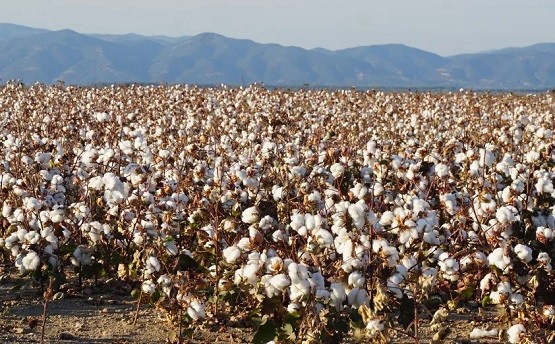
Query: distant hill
x: 32, y: 55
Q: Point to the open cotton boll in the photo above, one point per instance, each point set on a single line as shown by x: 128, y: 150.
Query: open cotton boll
x: 250, y: 215
x: 478, y: 333
x: 523, y: 253
x: 31, y: 261
x: 337, y: 170
x: 148, y: 287
x: 231, y: 254
x: 280, y: 281
x: 152, y: 265
x: 544, y: 234
x: 357, y: 297
x: 356, y: 279
x: 337, y: 295
x: 441, y: 170
x: 196, y: 310
x: 393, y: 284
x: 498, y: 259
x: 514, y: 333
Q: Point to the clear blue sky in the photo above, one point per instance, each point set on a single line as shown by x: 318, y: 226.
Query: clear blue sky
x: 442, y: 26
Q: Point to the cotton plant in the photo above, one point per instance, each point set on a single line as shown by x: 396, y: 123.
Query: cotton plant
x: 288, y: 205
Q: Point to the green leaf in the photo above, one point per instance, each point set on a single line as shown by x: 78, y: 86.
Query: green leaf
x: 67, y: 249
x: 485, y: 301
x: 266, y: 332
x: 406, y: 311
x: 466, y: 293
x: 289, y: 332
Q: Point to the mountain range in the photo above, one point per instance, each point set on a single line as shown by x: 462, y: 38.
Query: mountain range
x: 38, y: 55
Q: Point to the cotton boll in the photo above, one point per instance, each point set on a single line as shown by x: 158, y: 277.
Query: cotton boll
x: 231, y: 254
x: 152, y: 265
x: 250, y: 215
x: 523, y: 253
x: 337, y: 170
x: 393, y: 284
x: 478, y: 333
x: 293, y: 308
x: 280, y: 281
x: 544, y: 234
x: 441, y: 170
x: 148, y: 287
x: 356, y: 279
x: 324, y: 238
x: 514, y: 333
x: 337, y: 295
x: 357, y: 297
x: 274, y: 264
x: 96, y: 183
x: 498, y: 259
x: 31, y: 261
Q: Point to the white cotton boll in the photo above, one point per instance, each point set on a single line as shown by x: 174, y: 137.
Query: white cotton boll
x: 152, y: 264
x: 506, y: 214
x: 32, y: 203
x: 231, y: 254
x: 478, y: 333
x: 337, y: 170
x: 486, y: 157
x: 523, y: 252
x: 32, y: 237
x: 277, y: 192
x: 393, y: 284
x: 298, y: 289
x: 356, y: 279
x: 374, y: 327
x: 498, y: 259
x: 516, y: 299
x: 245, y: 244
x: 57, y: 215
x: 441, y: 170
x: 387, y: 218
x: 323, y: 238
x: 309, y: 222
x: 322, y: 294
x: 359, y: 190
x: 6, y: 209
x: 250, y: 215
x: 357, y: 212
x: 31, y: 261
x: 357, y: 297
x: 431, y: 238
x: 274, y: 264
x: 280, y: 281
x: 102, y: 116
x: 96, y: 183
x: 514, y: 332
x: 337, y: 295
x: 298, y: 171
x: 544, y: 234
x: 196, y: 310
x: 148, y: 287
x: 293, y: 307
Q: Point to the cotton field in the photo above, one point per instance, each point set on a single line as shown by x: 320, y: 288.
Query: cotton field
x: 314, y: 215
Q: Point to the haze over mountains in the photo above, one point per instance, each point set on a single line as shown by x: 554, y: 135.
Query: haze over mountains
x: 32, y: 55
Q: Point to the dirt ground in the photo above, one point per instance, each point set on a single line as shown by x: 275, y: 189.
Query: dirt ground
x: 105, y: 314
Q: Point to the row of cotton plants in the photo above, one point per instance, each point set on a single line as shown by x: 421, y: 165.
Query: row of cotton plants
x: 310, y: 215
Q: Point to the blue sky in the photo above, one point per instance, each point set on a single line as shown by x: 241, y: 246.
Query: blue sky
x: 445, y: 27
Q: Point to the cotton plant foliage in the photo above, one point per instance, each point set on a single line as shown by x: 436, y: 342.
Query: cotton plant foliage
x: 301, y: 211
